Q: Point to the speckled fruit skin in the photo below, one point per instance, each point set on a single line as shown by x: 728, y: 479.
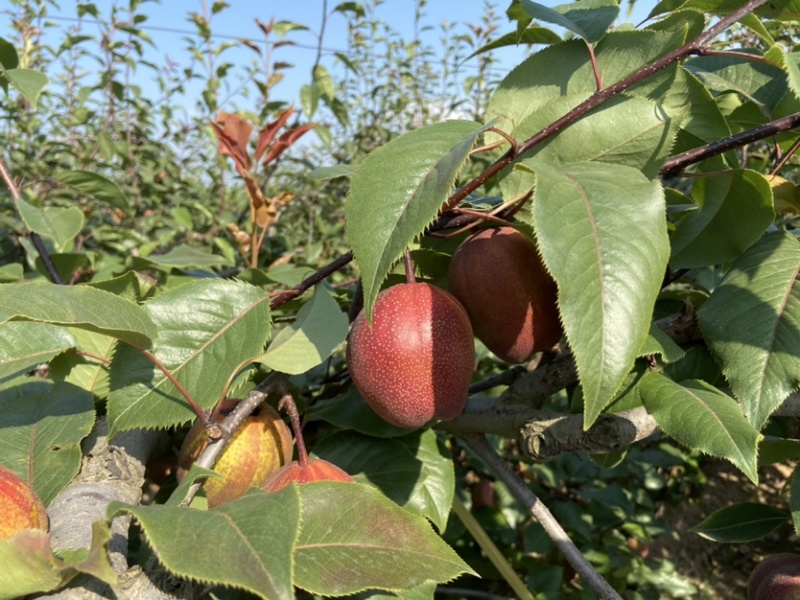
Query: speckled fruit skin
x: 415, y: 363
x: 777, y: 577
x: 255, y: 451
x: 315, y: 469
x: 510, y: 297
x: 20, y: 507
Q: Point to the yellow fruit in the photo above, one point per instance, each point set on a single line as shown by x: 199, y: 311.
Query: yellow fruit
x: 256, y: 450
x: 20, y: 507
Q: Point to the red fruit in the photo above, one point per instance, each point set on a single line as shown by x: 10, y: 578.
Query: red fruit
x: 510, y: 298
x: 776, y: 578
x: 20, y: 507
x: 415, y: 363
x: 255, y: 451
x: 315, y: 469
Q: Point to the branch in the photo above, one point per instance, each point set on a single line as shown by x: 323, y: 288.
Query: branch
x: 283, y: 297
x: 677, y: 163
x: 541, y: 513
x: 696, y: 46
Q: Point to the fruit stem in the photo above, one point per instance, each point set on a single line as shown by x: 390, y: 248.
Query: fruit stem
x: 409, y: 268
x: 287, y: 404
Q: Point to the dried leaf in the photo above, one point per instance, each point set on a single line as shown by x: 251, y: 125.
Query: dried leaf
x: 286, y: 140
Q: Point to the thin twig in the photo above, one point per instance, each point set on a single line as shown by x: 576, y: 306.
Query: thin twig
x: 172, y: 379
x: 36, y: 239
x: 676, y: 163
x: 542, y: 514
x: 285, y: 296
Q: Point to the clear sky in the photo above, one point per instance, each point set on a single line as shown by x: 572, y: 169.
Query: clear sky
x: 168, y: 26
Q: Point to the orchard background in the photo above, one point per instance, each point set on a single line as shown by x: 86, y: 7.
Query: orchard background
x: 157, y: 257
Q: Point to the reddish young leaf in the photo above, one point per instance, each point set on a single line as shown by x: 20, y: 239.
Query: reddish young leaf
x: 268, y: 133
x: 234, y: 134
x: 266, y: 28
x: 286, y: 140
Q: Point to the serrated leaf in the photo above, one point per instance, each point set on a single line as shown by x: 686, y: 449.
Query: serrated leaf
x: 251, y: 538
x: 28, y: 82
x: 752, y: 324
x: 207, y: 330
x: 762, y: 83
x: 660, y: 343
x: 88, y: 367
x: 58, y: 224
x: 29, y: 565
x: 778, y: 55
x: 740, y: 523
x: 187, y: 257
x: 601, y: 230
x: 412, y: 470
x: 319, y: 328
x: 94, y: 186
x: 79, y: 306
x: 353, y: 538
x: 702, y: 417
x: 397, y: 190
x: 24, y: 345
x: 734, y: 210
x: 43, y: 425
x: 530, y: 35
x: 350, y: 411
x: 590, y: 19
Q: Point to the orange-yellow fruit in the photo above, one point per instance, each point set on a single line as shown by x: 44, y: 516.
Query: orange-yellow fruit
x: 315, y: 469
x: 776, y: 578
x: 255, y: 451
x: 415, y: 363
x: 20, y: 507
x: 507, y: 292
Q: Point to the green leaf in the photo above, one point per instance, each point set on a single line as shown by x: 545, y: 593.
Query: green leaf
x: 207, y: 329
x: 601, y: 230
x: 24, y: 345
x: 590, y: 19
x: 187, y: 257
x: 414, y: 470
x: 248, y: 541
x: 530, y: 35
x: 350, y: 411
x: 43, y: 425
x: 323, y: 173
x: 29, y: 565
x: 89, y: 367
x: 788, y: 63
x: 96, y: 187
x: 740, y: 523
x: 319, y: 328
x: 660, y: 343
x: 79, y: 306
x: 397, y: 191
x: 762, y: 83
x: 734, y: 210
x: 353, y: 538
x: 58, y: 224
x: 702, y: 417
x: 28, y: 82
x: 752, y: 324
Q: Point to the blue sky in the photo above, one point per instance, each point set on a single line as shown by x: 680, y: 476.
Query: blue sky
x: 168, y: 26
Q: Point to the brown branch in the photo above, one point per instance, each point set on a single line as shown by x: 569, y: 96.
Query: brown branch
x: 542, y: 514
x: 171, y: 378
x: 285, y: 296
x: 696, y: 46
x: 676, y: 163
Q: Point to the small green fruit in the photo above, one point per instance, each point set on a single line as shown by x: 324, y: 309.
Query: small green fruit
x: 507, y: 292
x: 20, y: 507
x: 415, y: 362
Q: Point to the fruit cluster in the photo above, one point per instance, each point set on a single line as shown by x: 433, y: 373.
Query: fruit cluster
x: 413, y: 363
